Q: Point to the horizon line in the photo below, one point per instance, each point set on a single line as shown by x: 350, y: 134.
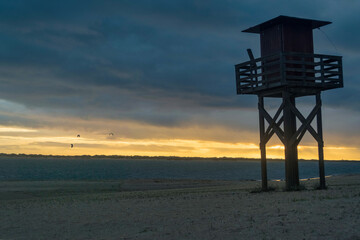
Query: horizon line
x: 161, y: 156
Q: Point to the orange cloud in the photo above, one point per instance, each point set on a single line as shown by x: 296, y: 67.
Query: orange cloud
x: 57, y: 142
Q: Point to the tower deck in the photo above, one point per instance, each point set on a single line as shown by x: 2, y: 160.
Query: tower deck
x: 298, y: 73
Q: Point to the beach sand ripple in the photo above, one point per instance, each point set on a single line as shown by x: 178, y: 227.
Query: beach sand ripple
x: 179, y: 209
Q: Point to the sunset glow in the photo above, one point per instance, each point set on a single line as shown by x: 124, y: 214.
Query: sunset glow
x: 43, y: 141
x: 158, y: 79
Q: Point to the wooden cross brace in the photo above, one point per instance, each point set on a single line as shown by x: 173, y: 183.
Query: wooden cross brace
x: 275, y: 123
x: 306, y: 123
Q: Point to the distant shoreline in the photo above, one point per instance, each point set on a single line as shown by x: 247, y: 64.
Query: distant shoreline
x: 135, y: 157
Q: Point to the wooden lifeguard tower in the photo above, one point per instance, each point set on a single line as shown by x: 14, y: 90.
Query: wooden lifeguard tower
x: 288, y: 69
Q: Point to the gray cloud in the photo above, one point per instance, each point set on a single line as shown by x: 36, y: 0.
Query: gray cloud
x: 163, y: 62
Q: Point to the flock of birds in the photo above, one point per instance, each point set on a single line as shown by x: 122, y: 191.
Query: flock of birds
x: 72, y: 145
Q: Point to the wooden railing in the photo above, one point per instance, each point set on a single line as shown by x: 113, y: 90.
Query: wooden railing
x: 296, y: 70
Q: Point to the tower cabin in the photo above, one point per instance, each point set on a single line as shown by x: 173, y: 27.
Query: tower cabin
x: 288, y: 68
x: 288, y: 61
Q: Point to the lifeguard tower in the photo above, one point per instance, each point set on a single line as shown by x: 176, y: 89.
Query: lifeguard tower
x: 288, y: 69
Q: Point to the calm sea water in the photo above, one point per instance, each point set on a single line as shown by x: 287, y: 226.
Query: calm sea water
x: 111, y: 169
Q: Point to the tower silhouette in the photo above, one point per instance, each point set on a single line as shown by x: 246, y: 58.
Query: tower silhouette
x: 289, y: 69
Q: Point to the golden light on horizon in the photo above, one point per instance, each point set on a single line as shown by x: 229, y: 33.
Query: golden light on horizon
x: 276, y: 147
x: 16, y: 129
x: 43, y: 141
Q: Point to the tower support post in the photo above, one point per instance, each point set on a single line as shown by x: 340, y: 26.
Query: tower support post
x: 264, y: 179
x: 291, y: 154
x: 320, y: 143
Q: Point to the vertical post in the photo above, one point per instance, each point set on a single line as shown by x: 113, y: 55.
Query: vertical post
x: 320, y: 144
x: 282, y: 68
x: 262, y: 146
x: 253, y: 69
x: 291, y: 154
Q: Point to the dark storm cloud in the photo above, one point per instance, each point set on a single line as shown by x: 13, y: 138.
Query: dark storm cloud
x: 153, y: 61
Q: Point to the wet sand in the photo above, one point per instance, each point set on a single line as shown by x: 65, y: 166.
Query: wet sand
x: 179, y: 209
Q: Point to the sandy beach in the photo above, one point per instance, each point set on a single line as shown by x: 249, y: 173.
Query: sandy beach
x: 179, y: 209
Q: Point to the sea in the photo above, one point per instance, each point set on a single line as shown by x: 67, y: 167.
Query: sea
x: 13, y: 169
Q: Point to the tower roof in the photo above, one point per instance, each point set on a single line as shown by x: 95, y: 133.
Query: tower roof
x: 285, y: 19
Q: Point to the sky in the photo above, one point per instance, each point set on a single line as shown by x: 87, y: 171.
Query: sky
x: 157, y: 77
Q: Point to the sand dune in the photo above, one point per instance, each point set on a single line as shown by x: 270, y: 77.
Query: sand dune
x: 178, y: 209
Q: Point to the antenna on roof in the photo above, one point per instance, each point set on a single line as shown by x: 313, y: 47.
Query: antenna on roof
x: 328, y: 38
